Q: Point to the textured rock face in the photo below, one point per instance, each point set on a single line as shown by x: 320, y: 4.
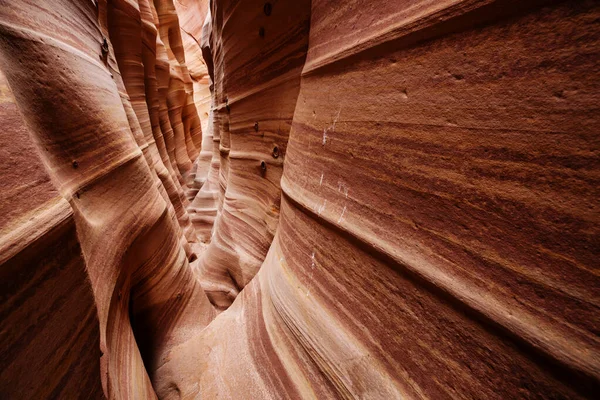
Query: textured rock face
x: 50, y: 332
x: 326, y: 199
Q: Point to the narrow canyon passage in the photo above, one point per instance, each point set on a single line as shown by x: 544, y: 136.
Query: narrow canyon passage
x: 307, y: 199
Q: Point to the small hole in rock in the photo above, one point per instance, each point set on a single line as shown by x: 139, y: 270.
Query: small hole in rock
x: 267, y: 9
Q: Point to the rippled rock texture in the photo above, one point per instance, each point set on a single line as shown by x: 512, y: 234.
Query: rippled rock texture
x: 299, y: 199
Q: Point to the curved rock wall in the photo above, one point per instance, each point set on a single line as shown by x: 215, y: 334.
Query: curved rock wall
x: 303, y: 199
x: 255, y: 96
x: 47, y: 312
x: 450, y: 160
x: 83, y: 100
x: 430, y: 243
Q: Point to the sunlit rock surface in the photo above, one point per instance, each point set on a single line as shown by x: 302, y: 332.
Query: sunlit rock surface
x: 299, y: 199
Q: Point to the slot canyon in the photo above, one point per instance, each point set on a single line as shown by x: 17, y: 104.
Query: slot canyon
x: 299, y: 199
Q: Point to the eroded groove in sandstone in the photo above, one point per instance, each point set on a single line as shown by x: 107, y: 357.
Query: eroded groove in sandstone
x: 299, y: 199
x: 255, y: 95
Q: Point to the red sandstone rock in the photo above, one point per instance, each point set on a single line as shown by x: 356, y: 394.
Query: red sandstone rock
x: 378, y: 199
x: 47, y: 313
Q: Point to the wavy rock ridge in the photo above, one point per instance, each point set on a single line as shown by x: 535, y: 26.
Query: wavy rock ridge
x: 302, y: 199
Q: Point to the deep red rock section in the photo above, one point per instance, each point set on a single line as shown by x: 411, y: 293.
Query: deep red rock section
x: 326, y: 199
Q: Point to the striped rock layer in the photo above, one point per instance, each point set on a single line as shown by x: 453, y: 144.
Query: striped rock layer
x: 299, y: 199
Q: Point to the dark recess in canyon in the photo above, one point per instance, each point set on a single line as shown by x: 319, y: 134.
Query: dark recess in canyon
x: 243, y: 199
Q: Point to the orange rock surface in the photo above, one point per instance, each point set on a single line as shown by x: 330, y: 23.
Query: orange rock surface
x: 299, y: 199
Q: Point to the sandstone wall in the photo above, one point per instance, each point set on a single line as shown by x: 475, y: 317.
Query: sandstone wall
x: 300, y: 199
